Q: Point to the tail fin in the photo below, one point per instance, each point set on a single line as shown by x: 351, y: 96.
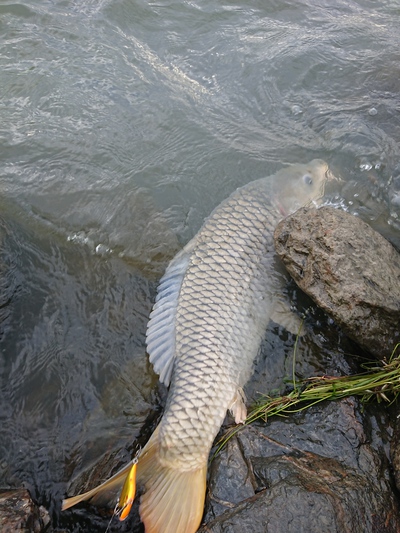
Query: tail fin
x: 103, y: 492
x: 174, y: 499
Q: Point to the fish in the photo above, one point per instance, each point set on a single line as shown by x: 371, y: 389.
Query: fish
x: 211, y: 311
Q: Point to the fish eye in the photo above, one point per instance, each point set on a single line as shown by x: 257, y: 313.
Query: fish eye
x: 307, y: 179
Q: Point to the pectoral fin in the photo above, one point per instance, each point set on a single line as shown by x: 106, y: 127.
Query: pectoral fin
x: 238, y: 407
x: 283, y: 315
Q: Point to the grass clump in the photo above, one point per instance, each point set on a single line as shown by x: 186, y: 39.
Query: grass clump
x: 380, y: 381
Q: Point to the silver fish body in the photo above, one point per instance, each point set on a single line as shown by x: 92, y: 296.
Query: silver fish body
x: 211, y: 311
x: 213, y: 305
x: 222, y: 311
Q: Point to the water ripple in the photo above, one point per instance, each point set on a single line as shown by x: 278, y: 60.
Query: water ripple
x: 122, y: 125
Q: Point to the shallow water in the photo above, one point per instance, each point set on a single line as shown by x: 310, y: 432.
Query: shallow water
x: 122, y: 125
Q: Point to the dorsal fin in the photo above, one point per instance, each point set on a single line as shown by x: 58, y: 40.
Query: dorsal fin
x: 160, y: 335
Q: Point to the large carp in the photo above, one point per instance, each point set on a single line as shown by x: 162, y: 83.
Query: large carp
x: 210, y: 315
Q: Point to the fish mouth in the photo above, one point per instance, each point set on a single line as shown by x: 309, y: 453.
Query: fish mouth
x: 330, y: 176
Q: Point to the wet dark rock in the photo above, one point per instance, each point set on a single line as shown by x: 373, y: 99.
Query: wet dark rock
x: 349, y: 270
x: 395, y: 452
x: 322, y: 470
x: 19, y: 513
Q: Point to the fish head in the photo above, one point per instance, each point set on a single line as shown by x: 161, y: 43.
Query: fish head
x: 299, y: 185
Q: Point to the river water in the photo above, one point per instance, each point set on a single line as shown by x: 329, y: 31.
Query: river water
x: 123, y: 123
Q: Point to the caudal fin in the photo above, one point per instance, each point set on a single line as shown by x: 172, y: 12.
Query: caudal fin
x: 174, y: 499
x: 104, y: 492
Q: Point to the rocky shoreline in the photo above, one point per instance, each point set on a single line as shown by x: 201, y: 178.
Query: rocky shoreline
x: 333, y: 467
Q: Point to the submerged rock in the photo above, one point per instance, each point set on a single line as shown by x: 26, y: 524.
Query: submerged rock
x: 349, y: 270
x: 18, y: 512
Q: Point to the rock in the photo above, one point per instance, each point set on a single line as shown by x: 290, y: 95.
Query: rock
x: 321, y: 470
x: 19, y: 513
x: 349, y: 270
x: 395, y: 451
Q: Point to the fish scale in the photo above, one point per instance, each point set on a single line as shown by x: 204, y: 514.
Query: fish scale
x: 226, y: 360
x: 211, y: 311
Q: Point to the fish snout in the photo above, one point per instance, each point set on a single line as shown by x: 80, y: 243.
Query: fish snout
x: 330, y: 176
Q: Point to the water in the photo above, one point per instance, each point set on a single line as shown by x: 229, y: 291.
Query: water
x: 122, y: 125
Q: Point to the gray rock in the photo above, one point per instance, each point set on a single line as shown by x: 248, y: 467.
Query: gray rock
x: 19, y: 513
x: 321, y: 470
x: 395, y: 451
x: 349, y: 270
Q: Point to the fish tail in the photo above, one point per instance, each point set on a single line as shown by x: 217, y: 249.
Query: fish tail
x: 174, y: 498
x: 103, y: 493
